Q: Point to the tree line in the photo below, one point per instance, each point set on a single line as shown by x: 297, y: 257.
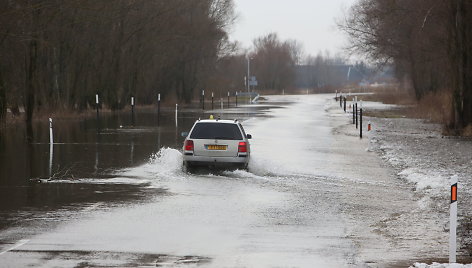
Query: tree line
x: 57, y: 54
x: 429, y: 42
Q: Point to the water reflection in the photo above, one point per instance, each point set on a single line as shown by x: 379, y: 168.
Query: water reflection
x: 88, y: 149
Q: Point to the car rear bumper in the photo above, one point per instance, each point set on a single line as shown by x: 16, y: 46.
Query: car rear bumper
x: 215, y: 161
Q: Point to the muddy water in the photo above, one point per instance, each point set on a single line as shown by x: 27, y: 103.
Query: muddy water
x: 77, y: 170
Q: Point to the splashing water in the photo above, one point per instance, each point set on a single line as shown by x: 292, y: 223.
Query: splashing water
x: 166, y: 162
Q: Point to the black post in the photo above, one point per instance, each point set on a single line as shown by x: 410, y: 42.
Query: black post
x: 344, y: 104
x: 212, y: 101
x: 228, y: 99
x: 356, y: 116
x: 353, y: 114
x: 158, y: 108
x: 336, y: 98
x: 236, y: 99
x: 341, y: 101
x: 360, y: 122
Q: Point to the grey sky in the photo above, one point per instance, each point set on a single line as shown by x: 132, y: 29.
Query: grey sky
x: 311, y: 22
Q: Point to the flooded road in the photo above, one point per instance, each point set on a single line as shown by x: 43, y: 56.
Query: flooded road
x: 314, y: 196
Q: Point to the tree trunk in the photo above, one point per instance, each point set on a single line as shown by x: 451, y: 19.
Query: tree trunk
x: 31, y: 80
x: 467, y: 64
x: 3, y: 100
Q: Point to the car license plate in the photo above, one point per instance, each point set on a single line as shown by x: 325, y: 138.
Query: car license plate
x: 216, y: 147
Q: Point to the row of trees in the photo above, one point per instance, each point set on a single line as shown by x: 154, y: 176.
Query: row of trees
x: 57, y: 54
x: 428, y: 41
x: 281, y: 65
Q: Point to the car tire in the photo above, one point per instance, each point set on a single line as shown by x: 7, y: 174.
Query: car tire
x: 187, y: 167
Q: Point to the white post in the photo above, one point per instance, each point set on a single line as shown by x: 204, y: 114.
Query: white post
x: 132, y: 101
x: 51, y: 147
x: 51, y: 138
x: 159, y: 97
x: 453, y: 221
x: 176, y: 111
x: 96, y: 99
x: 221, y: 100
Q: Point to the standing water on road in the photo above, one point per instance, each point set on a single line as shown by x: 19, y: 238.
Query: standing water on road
x: 313, y: 196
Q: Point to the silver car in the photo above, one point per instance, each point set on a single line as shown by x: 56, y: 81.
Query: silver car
x: 216, y: 144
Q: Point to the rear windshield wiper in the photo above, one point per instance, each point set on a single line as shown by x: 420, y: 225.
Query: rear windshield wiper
x: 223, y: 138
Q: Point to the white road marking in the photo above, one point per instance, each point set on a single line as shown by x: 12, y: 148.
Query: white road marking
x: 17, y: 245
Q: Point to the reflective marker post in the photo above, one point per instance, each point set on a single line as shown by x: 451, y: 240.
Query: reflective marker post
x: 132, y: 110
x: 176, y: 112
x: 51, y: 147
x: 228, y: 99
x: 96, y: 103
x: 51, y: 138
x: 158, y: 108
x: 212, y: 97
x: 203, y: 100
x: 453, y: 221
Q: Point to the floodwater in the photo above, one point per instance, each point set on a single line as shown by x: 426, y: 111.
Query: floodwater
x: 116, y: 196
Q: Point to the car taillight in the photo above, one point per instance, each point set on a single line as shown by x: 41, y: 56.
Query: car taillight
x: 242, y: 147
x: 188, y: 145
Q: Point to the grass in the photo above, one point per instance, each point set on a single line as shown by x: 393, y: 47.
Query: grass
x: 434, y: 107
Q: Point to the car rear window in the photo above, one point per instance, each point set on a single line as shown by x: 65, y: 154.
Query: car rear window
x: 220, y: 131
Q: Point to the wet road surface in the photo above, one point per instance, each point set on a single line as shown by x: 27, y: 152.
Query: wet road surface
x: 314, y: 196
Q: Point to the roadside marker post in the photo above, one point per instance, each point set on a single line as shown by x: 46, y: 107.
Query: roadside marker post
x: 51, y: 138
x: 236, y: 99
x: 453, y: 221
x: 341, y: 100
x: 357, y: 115
x: 212, y: 97
x: 51, y: 147
x: 176, y: 112
x: 345, y: 104
x: 203, y: 100
x: 336, y: 97
x: 158, y: 108
x: 228, y: 99
x: 132, y: 110
x: 353, y: 112
x: 360, y: 121
x: 96, y: 103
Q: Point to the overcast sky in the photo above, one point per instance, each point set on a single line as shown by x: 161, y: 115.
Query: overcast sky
x: 311, y: 22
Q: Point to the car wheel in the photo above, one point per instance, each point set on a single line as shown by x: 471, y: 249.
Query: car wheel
x: 187, y: 167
